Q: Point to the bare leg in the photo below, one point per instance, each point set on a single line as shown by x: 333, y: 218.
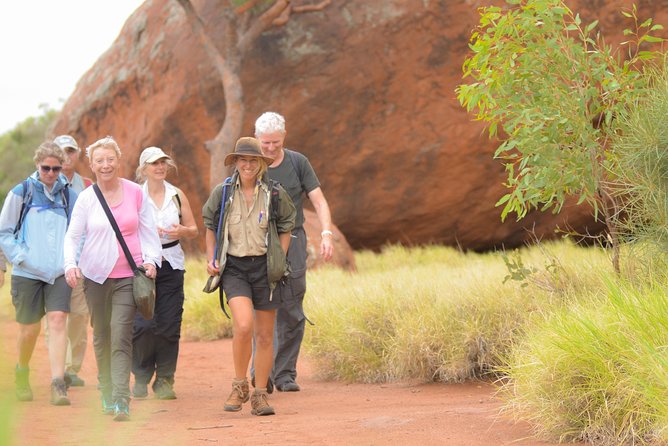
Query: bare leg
x: 26, y: 342
x: 264, y: 340
x: 242, y: 315
x: 57, y: 342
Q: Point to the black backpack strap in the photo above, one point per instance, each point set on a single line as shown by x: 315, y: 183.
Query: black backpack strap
x: 114, y: 225
x: 274, y: 201
x: 65, y: 191
x: 292, y: 156
x: 26, y: 195
x: 177, y: 201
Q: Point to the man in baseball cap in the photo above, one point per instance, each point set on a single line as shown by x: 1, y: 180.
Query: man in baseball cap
x: 77, y: 323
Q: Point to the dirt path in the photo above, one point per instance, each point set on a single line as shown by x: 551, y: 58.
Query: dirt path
x: 323, y: 413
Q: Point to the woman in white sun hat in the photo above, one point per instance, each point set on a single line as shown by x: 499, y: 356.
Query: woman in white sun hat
x: 156, y: 342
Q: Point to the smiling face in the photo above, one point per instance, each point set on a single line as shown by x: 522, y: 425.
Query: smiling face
x: 104, y: 164
x: 248, y: 167
x: 49, y: 169
x: 157, y: 170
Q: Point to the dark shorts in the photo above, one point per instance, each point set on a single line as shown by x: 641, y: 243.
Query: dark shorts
x: 34, y: 298
x: 247, y: 276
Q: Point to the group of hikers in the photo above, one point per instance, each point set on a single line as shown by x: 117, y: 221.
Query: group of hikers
x: 75, y: 246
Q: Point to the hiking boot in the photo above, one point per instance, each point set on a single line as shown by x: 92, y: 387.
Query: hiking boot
x: 140, y: 390
x: 239, y: 395
x: 59, y: 393
x: 163, y: 389
x: 73, y: 380
x: 260, y: 404
x: 22, y: 380
x: 289, y: 386
x: 270, y: 384
x: 121, y: 410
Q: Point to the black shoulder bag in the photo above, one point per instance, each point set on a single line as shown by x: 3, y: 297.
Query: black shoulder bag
x: 143, y: 287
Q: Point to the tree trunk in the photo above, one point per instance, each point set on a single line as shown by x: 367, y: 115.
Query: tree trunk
x: 227, y: 137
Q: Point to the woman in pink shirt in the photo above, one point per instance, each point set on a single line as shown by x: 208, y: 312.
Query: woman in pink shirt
x: 106, y: 271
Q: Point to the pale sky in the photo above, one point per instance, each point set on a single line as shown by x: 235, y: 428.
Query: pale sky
x: 47, y: 45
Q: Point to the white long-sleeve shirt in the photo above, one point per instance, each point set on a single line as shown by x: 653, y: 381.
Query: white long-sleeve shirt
x: 100, y: 250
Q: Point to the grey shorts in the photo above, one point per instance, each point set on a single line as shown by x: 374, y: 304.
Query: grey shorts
x: 32, y: 298
x: 247, y: 276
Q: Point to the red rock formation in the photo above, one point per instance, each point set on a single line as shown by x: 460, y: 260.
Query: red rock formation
x: 368, y: 94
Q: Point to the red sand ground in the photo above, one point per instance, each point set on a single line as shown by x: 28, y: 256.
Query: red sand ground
x: 323, y: 413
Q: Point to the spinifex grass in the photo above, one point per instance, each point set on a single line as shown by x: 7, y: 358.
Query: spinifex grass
x: 433, y: 313
x: 597, y: 371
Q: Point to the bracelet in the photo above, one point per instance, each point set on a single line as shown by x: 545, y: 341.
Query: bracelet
x: 326, y: 232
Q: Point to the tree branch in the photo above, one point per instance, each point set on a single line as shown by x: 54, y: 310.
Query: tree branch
x: 246, y: 6
x: 311, y: 8
x: 263, y: 23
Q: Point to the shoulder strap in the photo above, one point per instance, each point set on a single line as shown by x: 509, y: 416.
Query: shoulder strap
x: 275, y: 198
x: 25, y: 205
x: 112, y: 220
x: 226, y: 184
x: 297, y: 166
x: 177, y: 201
x: 65, y: 191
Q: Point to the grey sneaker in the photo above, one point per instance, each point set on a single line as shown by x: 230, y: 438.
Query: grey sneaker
x: 59, y: 393
x: 140, y: 390
x: 22, y: 380
x: 163, y: 389
x: 121, y: 410
x: 289, y: 386
x: 239, y: 395
x: 260, y: 404
x: 73, y: 380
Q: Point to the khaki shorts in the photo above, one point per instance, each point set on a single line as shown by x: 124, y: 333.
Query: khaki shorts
x: 33, y: 298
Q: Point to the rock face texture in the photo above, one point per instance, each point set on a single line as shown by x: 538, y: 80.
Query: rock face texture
x: 367, y: 89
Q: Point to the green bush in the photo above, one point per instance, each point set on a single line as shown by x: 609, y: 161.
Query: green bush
x: 641, y: 167
x: 18, y: 146
x: 596, y: 371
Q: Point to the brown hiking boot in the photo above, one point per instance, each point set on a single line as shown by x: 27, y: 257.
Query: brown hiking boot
x: 238, y: 396
x: 260, y: 404
x: 59, y: 393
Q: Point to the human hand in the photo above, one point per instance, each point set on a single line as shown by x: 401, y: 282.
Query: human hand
x: 173, y: 232
x: 151, y: 272
x: 326, y: 247
x: 211, y: 268
x: 72, y: 276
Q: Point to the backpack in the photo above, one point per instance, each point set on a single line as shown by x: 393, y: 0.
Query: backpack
x: 27, y: 203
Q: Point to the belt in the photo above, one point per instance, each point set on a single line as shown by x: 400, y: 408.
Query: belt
x: 170, y: 244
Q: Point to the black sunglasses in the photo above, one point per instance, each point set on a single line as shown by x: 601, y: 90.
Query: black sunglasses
x: 47, y: 169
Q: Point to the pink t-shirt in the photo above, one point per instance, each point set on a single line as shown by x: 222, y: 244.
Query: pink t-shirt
x: 127, y: 219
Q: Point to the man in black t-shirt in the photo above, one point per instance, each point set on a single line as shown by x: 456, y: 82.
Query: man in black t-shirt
x: 294, y: 172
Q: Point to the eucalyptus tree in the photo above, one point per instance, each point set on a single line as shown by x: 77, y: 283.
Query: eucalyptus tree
x: 549, y: 87
x: 243, y: 21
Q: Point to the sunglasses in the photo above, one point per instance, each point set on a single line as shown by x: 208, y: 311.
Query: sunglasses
x: 47, y: 169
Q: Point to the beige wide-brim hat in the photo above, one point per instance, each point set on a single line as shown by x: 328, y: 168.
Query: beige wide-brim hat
x: 247, y: 146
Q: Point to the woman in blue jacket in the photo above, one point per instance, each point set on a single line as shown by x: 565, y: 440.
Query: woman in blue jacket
x: 33, y: 223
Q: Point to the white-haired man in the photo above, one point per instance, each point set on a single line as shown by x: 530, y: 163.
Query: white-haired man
x: 294, y: 172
